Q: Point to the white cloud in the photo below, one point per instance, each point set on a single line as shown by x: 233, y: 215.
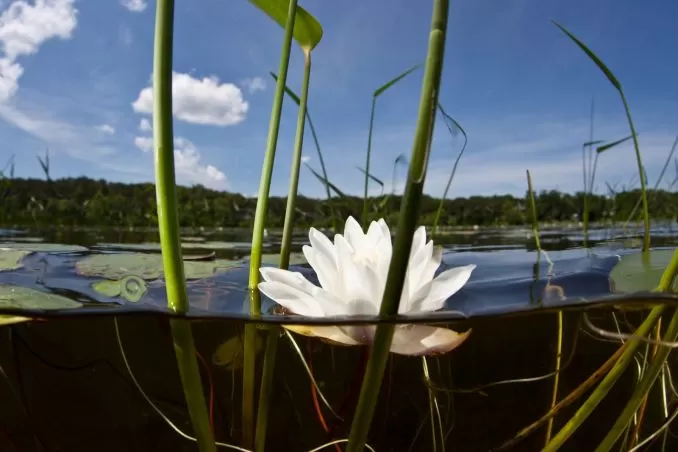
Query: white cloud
x: 106, y: 128
x: 136, y: 6
x: 200, y: 101
x: 188, y: 164
x: 23, y: 28
x: 144, y: 143
x: 190, y: 169
x: 254, y: 84
x: 305, y: 158
x: 145, y: 125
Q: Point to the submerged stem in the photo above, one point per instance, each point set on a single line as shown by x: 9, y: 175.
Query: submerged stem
x: 249, y: 360
x: 168, y: 223
x: 407, y: 222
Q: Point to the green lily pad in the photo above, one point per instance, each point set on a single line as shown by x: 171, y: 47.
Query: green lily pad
x: 274, y: 259
x: 132, y: 288
x: 18, y: 297
x: 11, y: 259
x: 215, y: 245
x: 146, y: 266
x: 230, y: 354
x: 42, y: 247
x: 147, y: 246
x: 635, y: 273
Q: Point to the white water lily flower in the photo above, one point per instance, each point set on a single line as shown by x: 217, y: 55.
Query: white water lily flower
x: 352, y: 272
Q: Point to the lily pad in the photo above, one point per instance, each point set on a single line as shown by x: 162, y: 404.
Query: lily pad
x: 146, y: 266
x: 131, y: 288
x: 11, y: 259
x: 42, y: 247
x: 274, y: 259
x: 216, y: 245
x: 19, y: 297
x: 636, y: 273
x: 230, y: 354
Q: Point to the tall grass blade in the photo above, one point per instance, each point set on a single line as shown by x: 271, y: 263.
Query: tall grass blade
x: 613, y: 80
x: 656, y: 185
x: 449, y: 122
x: 325, y: 181
x: 323, y: 168
x: 373, y: 177
x: 407, y: 223
x: 378, y: 92
x: 168, y: 222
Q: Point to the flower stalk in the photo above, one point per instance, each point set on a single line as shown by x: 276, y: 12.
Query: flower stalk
x: 288, y: 228
x: 168, y: 222
x: 407, y: 222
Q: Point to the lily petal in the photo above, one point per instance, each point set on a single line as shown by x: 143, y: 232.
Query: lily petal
x: 323, y: 245
x: 325, y: 270
x: 332, y: 334
x: 354, y: 235
x: 359, y: 280
x: 443, y: 287
x: 425, y: 340
x: 283, y: 285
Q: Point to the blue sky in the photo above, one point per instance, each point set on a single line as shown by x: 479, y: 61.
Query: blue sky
x: 75, y: 78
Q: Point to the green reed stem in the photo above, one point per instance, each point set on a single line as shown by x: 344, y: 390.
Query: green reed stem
x: 168, y: 223
x: 604, y: 387
x: 559, y: 343
x: 288, y: 229
x: 249, y: 360
x: 407, y: 223
x: 641, y: 173
x: 655, y: 368
x: 363, y: 220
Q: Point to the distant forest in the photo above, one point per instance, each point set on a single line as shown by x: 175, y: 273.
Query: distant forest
x: 88, y: 202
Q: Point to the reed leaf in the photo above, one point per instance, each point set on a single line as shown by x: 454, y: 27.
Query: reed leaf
x: 307, y: 30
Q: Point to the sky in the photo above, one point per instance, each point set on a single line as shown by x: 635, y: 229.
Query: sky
x: 75, y: 79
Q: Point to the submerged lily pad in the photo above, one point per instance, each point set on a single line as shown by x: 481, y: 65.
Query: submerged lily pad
x: 131, y: 288
x: 11, y: 259
x: 43, y: 247
x: 230, y: 354
x: 12, y: 319
x: 20, y: 297
x: 636, y: 273
x: 146, y: 266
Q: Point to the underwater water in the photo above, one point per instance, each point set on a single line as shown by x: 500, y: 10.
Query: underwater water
x: 65, y: 385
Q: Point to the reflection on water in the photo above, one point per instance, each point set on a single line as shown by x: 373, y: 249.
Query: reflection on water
x: 65, y: 386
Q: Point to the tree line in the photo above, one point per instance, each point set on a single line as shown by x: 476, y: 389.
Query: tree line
x: 88, y: 202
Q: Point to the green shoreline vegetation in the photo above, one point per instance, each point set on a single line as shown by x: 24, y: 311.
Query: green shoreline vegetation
x: 87, y: 202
